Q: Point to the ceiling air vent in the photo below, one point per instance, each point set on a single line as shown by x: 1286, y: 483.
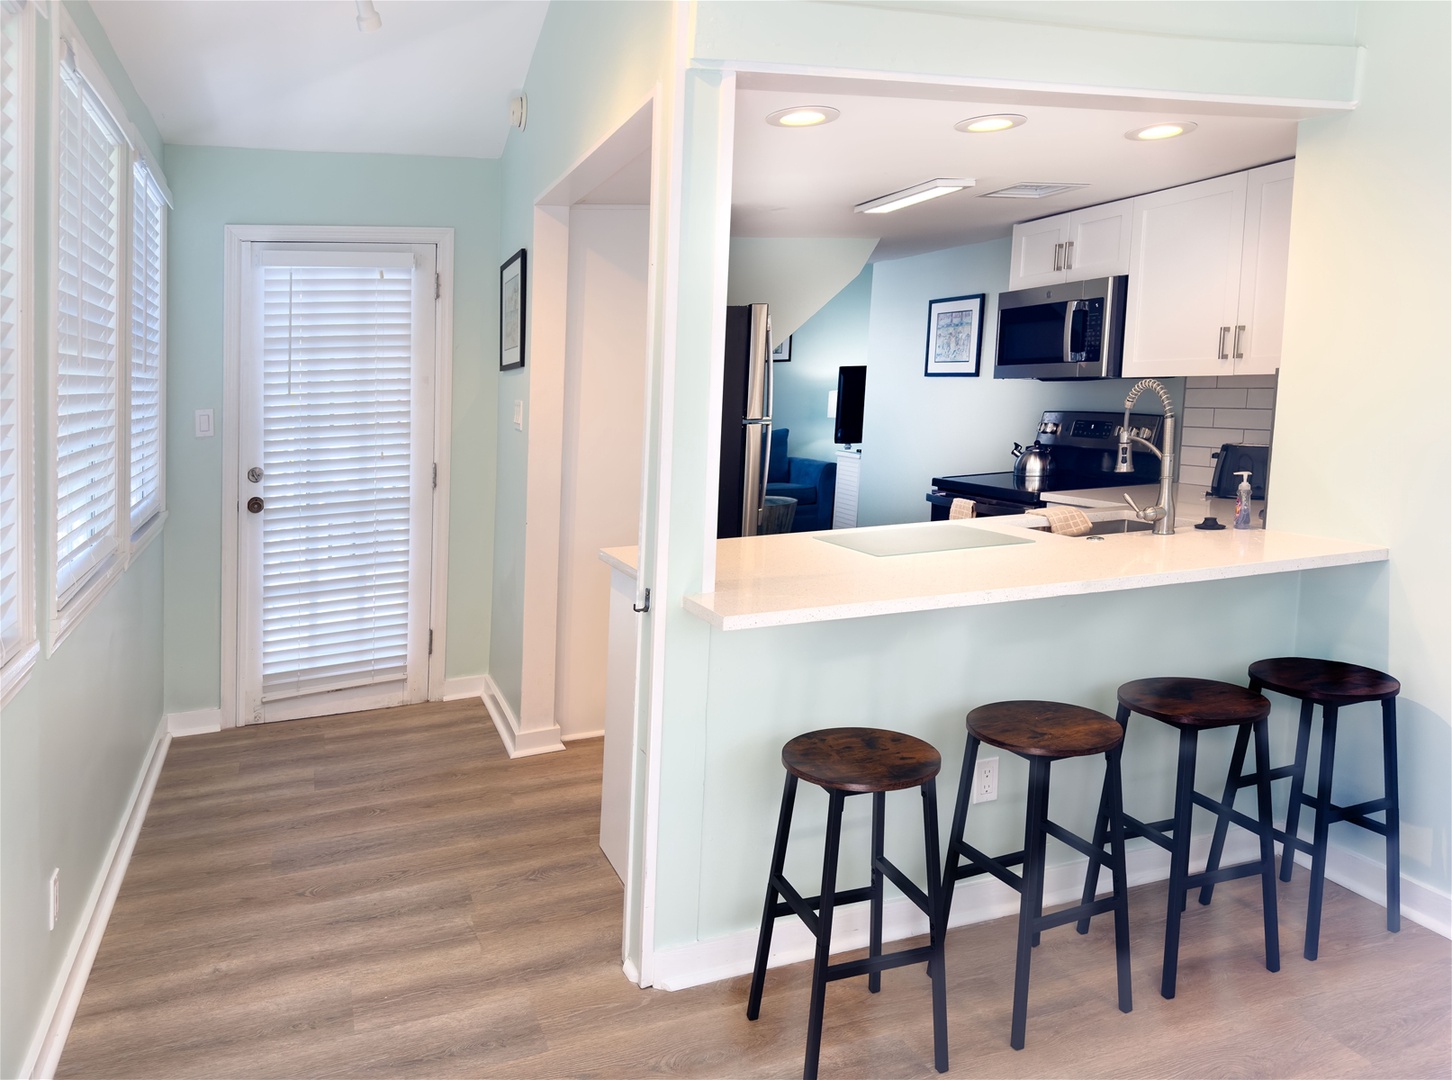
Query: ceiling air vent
x: 1030, y: 191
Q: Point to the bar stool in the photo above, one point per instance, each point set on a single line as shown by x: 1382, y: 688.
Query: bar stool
x: 1043, y: 732
x: 1192, y: 706
x: 846, y: 762
x: 1330, y: 684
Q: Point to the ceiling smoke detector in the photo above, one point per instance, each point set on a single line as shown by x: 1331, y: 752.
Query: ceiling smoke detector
x: 1030, y: 191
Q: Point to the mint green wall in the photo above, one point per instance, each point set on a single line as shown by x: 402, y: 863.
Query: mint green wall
x: 75, y: 738
x: 918, y: 427
x: 1371, y: 190
x: 594, y: 66
x: 834, y: 337
x: 217, y: 187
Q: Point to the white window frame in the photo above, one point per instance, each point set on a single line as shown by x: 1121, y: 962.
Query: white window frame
x: 65, y: 614
x: 15, y: 667
x: 141, y: 535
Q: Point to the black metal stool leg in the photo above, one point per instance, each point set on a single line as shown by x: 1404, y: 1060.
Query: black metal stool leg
x: 778, y: 860
x: 1298, y: 786
x: 1101, y: 830
x: 874, y: 943
x: 1324, y: 812
x: 937, y: 927
x: 1393, y: 815
x: 955, y: 837
x: 1222, y: 819
x: 1031, y: 902
x: 1179, y: 858
x: 1114, y: 789
x: 824, y: 934
x: 1267, y: 848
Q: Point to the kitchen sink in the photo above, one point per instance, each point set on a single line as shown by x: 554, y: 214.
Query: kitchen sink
x: 1116, y: 526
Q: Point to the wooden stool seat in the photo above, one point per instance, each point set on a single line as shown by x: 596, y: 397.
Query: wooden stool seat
x: 1192, y: 706
x: 1198, y: 703
x: 859, y: 761
x: 845, y: 762
x: 1043, y: 732
x: 1044, y: 729
x: 1325, y: 682
x: 1330, y: 684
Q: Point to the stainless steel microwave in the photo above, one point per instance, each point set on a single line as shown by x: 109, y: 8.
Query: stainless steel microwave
x: 1069, y: 331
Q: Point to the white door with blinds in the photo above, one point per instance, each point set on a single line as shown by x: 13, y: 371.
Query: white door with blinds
x: 335, y: 496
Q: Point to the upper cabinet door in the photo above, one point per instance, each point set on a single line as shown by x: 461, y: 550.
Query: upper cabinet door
x: 1038, y: 252
x: 1256, y: 344
x: 1184, y: 279
x: 1099, y: 241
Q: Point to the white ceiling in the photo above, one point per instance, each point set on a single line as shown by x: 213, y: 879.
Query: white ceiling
x: 300, y: 75
x: 437, y: 79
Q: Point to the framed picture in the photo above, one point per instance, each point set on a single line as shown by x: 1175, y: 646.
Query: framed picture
x: 511, y: 311
x: 955, y: 335
x: 783, y: 351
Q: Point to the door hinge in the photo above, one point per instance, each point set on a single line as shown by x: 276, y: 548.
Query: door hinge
x: 438, y: 286
x: 431, y: 643
x: 436, y: 474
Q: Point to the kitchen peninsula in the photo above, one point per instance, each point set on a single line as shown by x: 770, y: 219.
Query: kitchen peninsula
x: 841, y: 637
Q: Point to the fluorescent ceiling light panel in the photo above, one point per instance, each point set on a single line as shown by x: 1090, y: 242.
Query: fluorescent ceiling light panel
x: 981, y: 125
x: 932, y: 189
x: 1030, y: 191
x: 1154, y: 132
x: 799, y: 116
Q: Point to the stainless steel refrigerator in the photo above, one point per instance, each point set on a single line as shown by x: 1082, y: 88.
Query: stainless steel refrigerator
x: 745, y: 421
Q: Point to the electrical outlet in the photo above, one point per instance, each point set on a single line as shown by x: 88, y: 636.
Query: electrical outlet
x: 53, y: 901
x: 985, y: 780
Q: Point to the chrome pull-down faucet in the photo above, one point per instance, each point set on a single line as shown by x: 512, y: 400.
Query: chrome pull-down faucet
x: 1162, y: 514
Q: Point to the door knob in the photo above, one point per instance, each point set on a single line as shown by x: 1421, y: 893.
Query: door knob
x: 254, y: 505
x: 254, y: 474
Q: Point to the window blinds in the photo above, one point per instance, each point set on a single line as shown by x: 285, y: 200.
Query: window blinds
x: 13, y: 530
x: 336, y: 432
x: 88, y: 323
x: 148, y: 240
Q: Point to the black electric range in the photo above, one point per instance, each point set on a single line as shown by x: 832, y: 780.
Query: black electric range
x: 1082, y: 448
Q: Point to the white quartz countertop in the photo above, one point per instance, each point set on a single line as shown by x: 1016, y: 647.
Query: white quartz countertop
x: 799, y: 578
x: 624, y: 559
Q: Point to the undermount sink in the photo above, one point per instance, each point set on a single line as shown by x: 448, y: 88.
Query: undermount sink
x: 1115, y: 526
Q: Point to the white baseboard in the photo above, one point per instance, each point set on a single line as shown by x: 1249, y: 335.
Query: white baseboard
x: 600, y: 734
x: 195, y: 722
x: 65, y: 996
x: 517, y: 743
x: 1367, y: 877
x: 976, y: 900
x: 466, y: 686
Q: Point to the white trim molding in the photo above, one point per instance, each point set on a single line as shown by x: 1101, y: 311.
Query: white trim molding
x: 517, y: 743
x: 194, y: 722
x: 65, y: 997
x: 463, y: 686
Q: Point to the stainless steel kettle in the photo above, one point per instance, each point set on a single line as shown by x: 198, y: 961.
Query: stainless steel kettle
x: 1031, y: 463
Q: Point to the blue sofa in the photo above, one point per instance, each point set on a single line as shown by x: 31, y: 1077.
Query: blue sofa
x: 812, y: 483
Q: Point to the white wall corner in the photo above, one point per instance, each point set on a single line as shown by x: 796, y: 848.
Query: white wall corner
x: 1367, y: 877
x: 517, y: 743
x: 65, y: 996
x: 195, y: 722
x: 465, y: 686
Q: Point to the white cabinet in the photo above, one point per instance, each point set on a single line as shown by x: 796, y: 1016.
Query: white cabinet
x: 1088, y: 243
x: 844, y: 504
x: 1207, y: 276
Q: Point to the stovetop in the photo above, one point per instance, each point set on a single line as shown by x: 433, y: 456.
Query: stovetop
x: 1007, y: 486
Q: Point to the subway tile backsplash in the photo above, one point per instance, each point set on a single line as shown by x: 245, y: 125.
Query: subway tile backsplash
x: 1223, y: 409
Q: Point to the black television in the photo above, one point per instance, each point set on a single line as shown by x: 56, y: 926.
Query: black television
x: 851, y: 391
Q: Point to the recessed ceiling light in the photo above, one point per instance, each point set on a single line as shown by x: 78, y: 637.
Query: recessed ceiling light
x: 932, y: 189
x: 1155, y: 132
x: 803, y: 116
x: 978, y: 125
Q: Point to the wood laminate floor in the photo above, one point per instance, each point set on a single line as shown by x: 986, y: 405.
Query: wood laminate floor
x: 388, y: 895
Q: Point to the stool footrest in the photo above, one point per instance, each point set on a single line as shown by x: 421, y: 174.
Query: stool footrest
x: 982, y: 863
x: 1075, y: 913
x: 1154, y: 831
x: 1223, y: 873
x: 1075, y: 841
x: 905, y: 885
x: 1215, y: 806
x: 866, y: 965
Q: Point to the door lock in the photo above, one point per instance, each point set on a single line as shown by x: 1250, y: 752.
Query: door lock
x: 254, y: 505
x: 254, y: 474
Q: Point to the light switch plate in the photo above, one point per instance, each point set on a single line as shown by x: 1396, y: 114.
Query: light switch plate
x: 204, y: 424
x: 519, y: 416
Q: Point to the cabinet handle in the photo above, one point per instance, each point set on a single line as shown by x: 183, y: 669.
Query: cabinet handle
x: 1239, y: 330
x: 1220, y: 353
x: 1058, y: 257
x: 1069, y: 255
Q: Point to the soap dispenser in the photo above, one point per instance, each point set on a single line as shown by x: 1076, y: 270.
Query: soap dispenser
x: 1242, y: 501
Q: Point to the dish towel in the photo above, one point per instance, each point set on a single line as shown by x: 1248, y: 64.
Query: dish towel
x: 1066, y: 520
x: 962, y: 508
